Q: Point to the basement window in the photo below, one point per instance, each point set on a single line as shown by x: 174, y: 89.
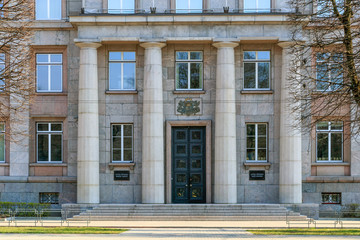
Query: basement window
x: 52, y: 198
x: 331, y: 198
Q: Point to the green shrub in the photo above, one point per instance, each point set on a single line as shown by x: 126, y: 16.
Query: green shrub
x: 23, y: 209
x: 351, y: 210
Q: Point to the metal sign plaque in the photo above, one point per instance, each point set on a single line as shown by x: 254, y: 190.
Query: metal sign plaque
x: 256, y: 175
x: 122, y: 175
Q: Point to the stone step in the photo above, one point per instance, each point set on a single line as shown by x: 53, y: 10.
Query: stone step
x: 96, y: 211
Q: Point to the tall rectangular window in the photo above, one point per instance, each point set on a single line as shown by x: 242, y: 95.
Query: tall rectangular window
x: 329, y: 75
x: 122, y: 143
x: 329, y: 141
x: 189, y: 6
x: 122, y: 68
x: 2, y: 69
x: 2, y: 142
x: 257, y: 6
x: 49, y: 72
x: 256, y: 142
x: 189, y: 70
x: 49, y: 142
x: 121, y: 6
x: 48, y: 9
x: 256, y: 70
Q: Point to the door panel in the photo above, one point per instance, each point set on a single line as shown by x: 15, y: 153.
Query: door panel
x: 188, y: 165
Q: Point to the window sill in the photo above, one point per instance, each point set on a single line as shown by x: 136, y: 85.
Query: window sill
x: 265, y: 165
x: 113, y: 165
x: 189, y: 92
x: 121, y: 92
x: 330, y: 164
x: 51, y: 94
x: 48, y: 165
x: 256, y: 91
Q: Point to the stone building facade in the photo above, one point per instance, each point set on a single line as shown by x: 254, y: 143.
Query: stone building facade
x: 185, y: 105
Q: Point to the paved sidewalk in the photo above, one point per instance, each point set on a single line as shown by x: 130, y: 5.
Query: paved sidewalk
x: 169, y: 234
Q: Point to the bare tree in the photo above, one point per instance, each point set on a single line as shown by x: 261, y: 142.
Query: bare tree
x: 16, y: 83
x: 326, y: 61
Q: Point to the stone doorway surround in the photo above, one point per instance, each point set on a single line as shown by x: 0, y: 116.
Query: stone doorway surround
x: 191, y: 123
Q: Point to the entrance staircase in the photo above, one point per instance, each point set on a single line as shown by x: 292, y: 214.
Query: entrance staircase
x: 189, y: 212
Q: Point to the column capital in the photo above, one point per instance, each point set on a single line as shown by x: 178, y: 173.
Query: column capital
x: 87, y: 44
x: 152, y: 45
x: 286, y: 45
x: 225, y: 45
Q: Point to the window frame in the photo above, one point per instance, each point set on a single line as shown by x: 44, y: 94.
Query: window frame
x: 330, y: 131
x: 122, y: 61
x: 329, y: 66
x: 256, y: 142
x: 49, y: 133
x: 48, y: 11
x: 256, y: 61
x: 3, y: 133
x: 122, y: 143
x: 189, y: 61
x: 48, y: 64
x: 121, y: 10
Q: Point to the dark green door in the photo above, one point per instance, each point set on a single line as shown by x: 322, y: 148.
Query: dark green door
x: 188, y: 165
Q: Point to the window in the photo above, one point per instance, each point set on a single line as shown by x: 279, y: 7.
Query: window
x: 2, y: 69
x: 2, y: 142
x: 329, y: 76
x: 52, y: 198
x: 189, y: 6
x: 121, y: 6
x: 48, y: 9
x: 122, y: 143
x: 331, y: 198
x: 257, y: 70
x: 49, y: 142
x: 257, y: 6
x: 189, y: 70
x: 122, y: 67
x: 256, y: 142
x: 49, y: 72
x: 329, y: 141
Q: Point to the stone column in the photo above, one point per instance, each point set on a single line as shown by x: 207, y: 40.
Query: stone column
x: 153, y: 185
x: 290, y: 188
x: 225, y: 189
x: 88, y: 126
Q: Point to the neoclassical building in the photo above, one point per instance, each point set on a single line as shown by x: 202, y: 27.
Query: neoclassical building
x: 170, y: 101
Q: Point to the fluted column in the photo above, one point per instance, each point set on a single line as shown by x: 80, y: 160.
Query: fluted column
x: 290, y: 189
x: 88, y: 126
x: 153, y: 185
x: 225, y: 189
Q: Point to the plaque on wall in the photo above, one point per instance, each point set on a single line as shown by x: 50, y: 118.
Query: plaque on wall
x: 256, y: 175
x: 122, y: 175
x: 188, y: 106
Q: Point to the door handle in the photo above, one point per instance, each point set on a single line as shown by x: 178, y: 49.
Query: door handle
x: 190, y: 185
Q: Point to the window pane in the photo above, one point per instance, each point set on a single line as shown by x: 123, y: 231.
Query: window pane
x: 264, y: 5
x: 181, y: 55
x: 322, y: 147
x: 264, y: 55
x: 55, y: 9
x: 2, y: 147
x: 117, y: 142
x: 42, y: 78
x: 42, y: 58
x: 336, y: 125
x: 262, y: 129
x: 43, y: 147
x: 116, y: 155
x: 250, y: 4
x: 261, y: 155
x: 261, y: 142
x: 116, y: 130
x: 114, y: 6
x: 127, y: 155
x: 2, y: 57
x: 129, y: 75
x: 181, y: 75
x: 195, y: 75
x: 56, y: 148
x: 56, y: 127
x: 250, y: 129
x: 128, y: 142
x: 41, y: 9
x: 56, y: 58
x: 56, y: 78
x: 322, y: 78
x: 249, y: 75
x: 196, y: 55
x: 322, y: 126
x: 129, y: 56
x: 43, y: 127
x: 2, y: 127
x: 336, y: 146
x: 196, y: 4
x: 128, y: 130
x: 263, y: 75
x: 250, y: 154
x: 114, y: 76
x: 114, y: 55
x: 250, y: 143
x: 129, y: 5
x: 182, y: 4
x: 249, y: 55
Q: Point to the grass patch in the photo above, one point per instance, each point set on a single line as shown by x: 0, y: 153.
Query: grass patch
x: 61, y: 230
x: 310, y: 231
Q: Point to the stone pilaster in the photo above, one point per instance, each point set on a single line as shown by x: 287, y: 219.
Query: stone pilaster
x: 153, y: 185
x: 225, y: 189
x: 88, y: 126
x: 290, y: 188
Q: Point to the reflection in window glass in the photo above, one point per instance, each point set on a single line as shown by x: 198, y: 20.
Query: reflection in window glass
x: 121, y: 6
x: 189, y: 6
x: 122, y: 143
x: 122, y: 70
x: 329, y: 141
x: 256, y: 142
x: 2, y: 142
x: 257, y: 6
x: 48, y: 9
x: 257, y: 70
x: 49, y: 142
x: 189, y: 70
x: 49, y: 72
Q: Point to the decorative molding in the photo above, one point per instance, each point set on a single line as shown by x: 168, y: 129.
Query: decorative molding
x: 114, y: 165
x: 188, y: 106
x: 249, y: 165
